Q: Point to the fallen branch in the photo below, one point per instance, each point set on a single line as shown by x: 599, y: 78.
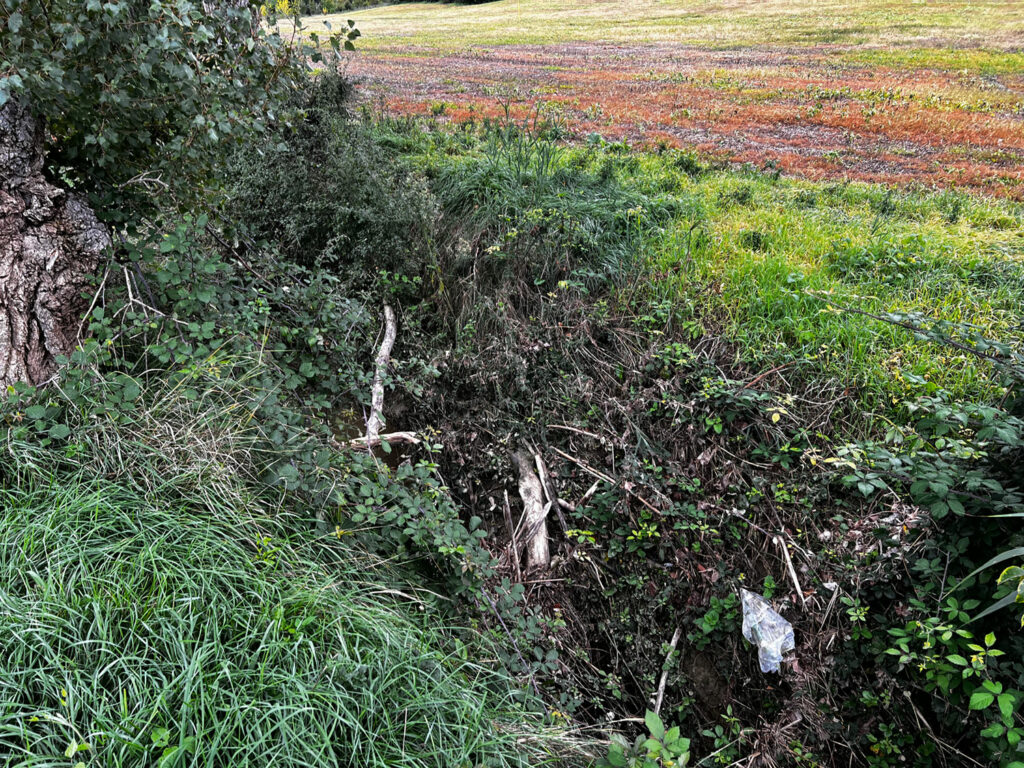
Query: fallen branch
x: 376, y: 420
x: 514, y: 546
x: 549, y: 490
x: 389, y: 437
x: 627, y: 487
x: 538, y: 555
x: 664, y: 672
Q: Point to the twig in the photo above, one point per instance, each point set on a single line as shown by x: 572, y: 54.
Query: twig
x: 549, y: 490
x: 515, y: 644
x: 95, y: 298
x: 920, y: 331
x: 791, y: 569
x: 373, y: 424
x: 576, y: 430
x: 664, y: 673
x: 585, y: 467
x: 769, y: 372
x: 627, y: 487
x: 514, y: 544
x: 590, y: 492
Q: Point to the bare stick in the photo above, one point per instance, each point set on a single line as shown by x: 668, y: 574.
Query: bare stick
x: 514, y: 544
x: 549, y: 490
x: 389, y: 437
x: 664, y: 673
x: 791, y: 569
x: 376, y: 420
x: 590, y: 492
x: 578, y: 431
x: 627, y: 487
x: 585, y: 467
x: 538, y: 555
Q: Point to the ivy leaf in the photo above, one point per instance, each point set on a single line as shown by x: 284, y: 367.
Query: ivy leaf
x: 14, y: 22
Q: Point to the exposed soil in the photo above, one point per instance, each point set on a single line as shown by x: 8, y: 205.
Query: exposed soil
x: 806, y: 110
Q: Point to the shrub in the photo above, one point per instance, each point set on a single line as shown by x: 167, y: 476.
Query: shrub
x: 327, y: 194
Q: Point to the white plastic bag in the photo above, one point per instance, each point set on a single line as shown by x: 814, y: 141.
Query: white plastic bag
x: 766, y: 629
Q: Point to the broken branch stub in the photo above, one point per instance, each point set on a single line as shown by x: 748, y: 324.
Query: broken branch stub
x: 538, y: 554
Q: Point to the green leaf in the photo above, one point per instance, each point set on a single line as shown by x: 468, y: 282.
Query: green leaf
x: 956, y: 658
x: 654, y: 725
x: 1005, y: 702
x: 59, y: 431
x: 616, y: 757
x: 1009, y: 554
x: 994, y: 731
x: 160, y: 736
x: 14, y: 22
x: 1001, y: 603
x: 131, y: 391
x: 36, y: 412
x: 981, y: 700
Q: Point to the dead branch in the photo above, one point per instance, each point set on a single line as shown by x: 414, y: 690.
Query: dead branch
x: 664, y: 673
x: 550, y: 491
x: 627, y: 486
x: 376, y: 420
x: 389, y: 437
x: 512, y: 534
x: 538, y: 555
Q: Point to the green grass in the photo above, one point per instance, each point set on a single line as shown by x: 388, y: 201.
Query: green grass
x: 987, y: 25
x: 772, y: 250
x: 765, y: 261
x: 156, y: 610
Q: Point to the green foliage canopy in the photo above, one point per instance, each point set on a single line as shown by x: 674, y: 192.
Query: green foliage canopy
x: 141, y: 96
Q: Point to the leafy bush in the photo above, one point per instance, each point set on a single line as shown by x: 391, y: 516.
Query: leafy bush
x: 328, y: 195
x: 139, y: 98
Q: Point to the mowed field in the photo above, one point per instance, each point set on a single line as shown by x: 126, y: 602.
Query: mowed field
x: 890, y: 91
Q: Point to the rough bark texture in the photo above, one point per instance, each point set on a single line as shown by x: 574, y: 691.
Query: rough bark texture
x: 51, y: 243
x: 538, y: 554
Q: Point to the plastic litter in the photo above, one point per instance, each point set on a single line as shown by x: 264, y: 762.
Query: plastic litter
x: 766, y: 629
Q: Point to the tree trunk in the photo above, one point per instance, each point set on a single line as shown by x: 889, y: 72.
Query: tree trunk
x: 51, y: 244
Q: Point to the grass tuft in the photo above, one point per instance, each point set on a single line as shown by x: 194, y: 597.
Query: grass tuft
x: 174, y: 614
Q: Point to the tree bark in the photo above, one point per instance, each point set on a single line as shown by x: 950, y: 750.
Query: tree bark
x: 51, y: 244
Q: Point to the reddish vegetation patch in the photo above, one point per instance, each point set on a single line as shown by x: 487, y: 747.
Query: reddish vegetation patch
x: 802, y: 109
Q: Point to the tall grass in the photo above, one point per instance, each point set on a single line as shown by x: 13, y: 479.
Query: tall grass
x: 157, y: 607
